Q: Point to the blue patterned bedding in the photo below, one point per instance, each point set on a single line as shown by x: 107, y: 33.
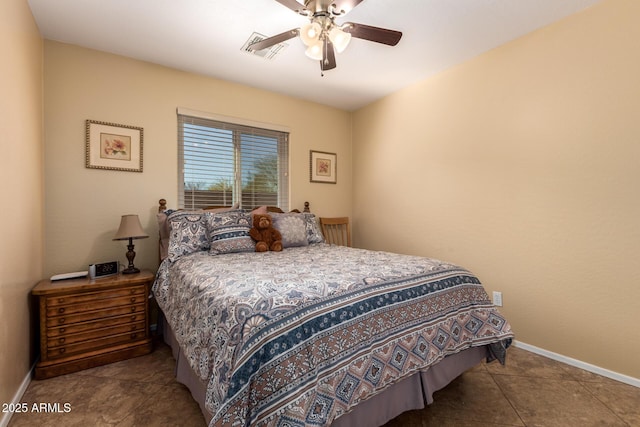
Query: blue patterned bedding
x: 299, y: 337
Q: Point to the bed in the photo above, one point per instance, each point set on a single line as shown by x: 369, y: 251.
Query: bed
x: 317, y: 334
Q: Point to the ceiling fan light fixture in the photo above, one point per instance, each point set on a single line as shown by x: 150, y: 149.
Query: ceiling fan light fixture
x: 339, y: 38
x: 314, y: 51
x: 310, y: 33
x: 322, y: 36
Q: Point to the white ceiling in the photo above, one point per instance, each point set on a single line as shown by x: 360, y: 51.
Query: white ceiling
x: 206, y: 37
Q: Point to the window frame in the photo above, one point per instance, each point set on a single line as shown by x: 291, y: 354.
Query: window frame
x: 236, y: 125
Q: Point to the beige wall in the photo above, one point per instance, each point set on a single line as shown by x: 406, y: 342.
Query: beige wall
x: 523, y: 165
x: 83, y: 206
x: 20, y: 189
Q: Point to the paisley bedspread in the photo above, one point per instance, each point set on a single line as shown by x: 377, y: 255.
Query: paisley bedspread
x: 299, y: 337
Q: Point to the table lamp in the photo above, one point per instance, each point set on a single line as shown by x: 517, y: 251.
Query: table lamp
x: 130, y: 228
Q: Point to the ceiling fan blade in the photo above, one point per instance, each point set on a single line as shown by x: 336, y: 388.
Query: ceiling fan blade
x: 328, y: 61
x: 374, y: 34
x: 292, y: 4
x: 270, y: 41
x: 346, y: 5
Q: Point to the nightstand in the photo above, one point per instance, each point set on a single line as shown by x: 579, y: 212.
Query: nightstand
x: 86, y: 323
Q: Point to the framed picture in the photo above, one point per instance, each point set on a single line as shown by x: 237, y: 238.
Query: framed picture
x: 323, y: 167
x: 113, y: 146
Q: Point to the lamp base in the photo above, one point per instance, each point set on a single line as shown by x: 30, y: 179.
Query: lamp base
x: 130, y: 270
x: 130, y: 256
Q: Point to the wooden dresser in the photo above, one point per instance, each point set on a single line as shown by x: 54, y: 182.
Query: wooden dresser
x: 86, y: 323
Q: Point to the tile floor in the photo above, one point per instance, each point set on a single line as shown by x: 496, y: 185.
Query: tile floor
x: 529, y: 391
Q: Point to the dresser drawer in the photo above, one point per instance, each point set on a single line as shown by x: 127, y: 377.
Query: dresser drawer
x: 92, y: 345
x: 94, y: 296
x: 75, y: 328
x: 94, y: 315
x: 65, y: 340
x: 63, y: 310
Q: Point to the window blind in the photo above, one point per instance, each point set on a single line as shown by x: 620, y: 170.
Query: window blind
x: 223, y: 163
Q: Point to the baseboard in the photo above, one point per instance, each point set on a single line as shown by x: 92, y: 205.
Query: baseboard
x: 6, y: 416
x: 579, y: 364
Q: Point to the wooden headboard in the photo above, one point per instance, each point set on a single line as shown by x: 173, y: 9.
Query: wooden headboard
x: 162, y: 206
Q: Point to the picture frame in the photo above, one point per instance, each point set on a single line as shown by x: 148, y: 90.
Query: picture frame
x: 113, y: 146
x: 323, y: 167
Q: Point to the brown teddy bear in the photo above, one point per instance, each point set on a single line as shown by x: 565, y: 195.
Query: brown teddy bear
x: 266, y: 237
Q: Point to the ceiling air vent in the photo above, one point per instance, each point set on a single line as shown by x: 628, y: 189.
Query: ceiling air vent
x: 269, y: 53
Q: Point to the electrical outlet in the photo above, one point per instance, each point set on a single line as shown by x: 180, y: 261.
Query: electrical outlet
x: 497, y: 298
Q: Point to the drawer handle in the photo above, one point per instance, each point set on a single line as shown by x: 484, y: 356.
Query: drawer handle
x: 133, y: 309
x: 60, y: 300
x: 133, y: 317
x: 133, y: 336
x: 133, y: 299
x: 133, y: 291
x: 62, y: 330
x: 61, y: 320
x: 61, y: 310
x: 61, y: 340
x: 62, y: 350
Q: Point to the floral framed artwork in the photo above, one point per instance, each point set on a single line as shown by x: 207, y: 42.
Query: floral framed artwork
x: 113, y: 146
x: 323, y: 167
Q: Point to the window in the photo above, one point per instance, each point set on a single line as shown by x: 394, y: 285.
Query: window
x: 222, y: 163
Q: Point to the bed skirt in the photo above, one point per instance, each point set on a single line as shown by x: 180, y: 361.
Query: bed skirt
x: 411, y: 393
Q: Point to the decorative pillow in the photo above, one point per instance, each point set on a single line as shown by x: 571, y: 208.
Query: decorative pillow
x: 229, y: 232
x: 188, y: 233
x: 164, y: 226
x: 260, y: 210
x: 292, y: 227
x: 224, y: 209
x: 314, y: 234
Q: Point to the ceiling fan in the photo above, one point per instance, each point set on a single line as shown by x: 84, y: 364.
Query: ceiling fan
x: 322, y: 35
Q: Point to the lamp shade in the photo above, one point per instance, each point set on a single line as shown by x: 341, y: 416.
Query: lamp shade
x: 339, y: 38
x: 314, y: 51
x: 310, y: 33
x: 130, y: 228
